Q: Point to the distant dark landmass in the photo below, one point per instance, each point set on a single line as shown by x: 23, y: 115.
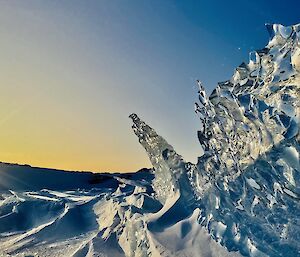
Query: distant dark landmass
x: 25, y: 177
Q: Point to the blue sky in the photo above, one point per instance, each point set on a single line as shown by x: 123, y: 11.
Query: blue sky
x: 74, y: 70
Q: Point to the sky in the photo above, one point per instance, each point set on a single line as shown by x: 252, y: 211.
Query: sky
x: 72, y: 72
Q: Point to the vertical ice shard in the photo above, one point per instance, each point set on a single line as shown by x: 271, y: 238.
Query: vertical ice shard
x: 171, y: 171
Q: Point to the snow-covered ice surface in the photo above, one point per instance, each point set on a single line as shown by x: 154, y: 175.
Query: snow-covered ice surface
x: 242, y: 198
x: 123, y: 220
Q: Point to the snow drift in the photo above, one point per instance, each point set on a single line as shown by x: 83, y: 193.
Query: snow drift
x: 240, y: 199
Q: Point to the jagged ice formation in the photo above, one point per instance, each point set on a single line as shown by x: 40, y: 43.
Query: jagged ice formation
x: 247, y: 182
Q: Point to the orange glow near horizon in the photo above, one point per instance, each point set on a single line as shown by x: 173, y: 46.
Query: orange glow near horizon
x: 60, y: 143
x: 44, y: 135
x: 64, y: 147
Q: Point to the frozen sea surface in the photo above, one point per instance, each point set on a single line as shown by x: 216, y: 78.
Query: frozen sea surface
x: 122, y: 220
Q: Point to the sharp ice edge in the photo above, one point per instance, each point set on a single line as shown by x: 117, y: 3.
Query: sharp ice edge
x: 241, y: 198
x: 171, y: 171
x: 247, y: 182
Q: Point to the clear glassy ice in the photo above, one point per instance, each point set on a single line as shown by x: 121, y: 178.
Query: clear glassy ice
x: 247, y: 182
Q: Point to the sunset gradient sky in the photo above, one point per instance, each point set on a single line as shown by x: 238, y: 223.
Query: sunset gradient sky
x: 72, y: 72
